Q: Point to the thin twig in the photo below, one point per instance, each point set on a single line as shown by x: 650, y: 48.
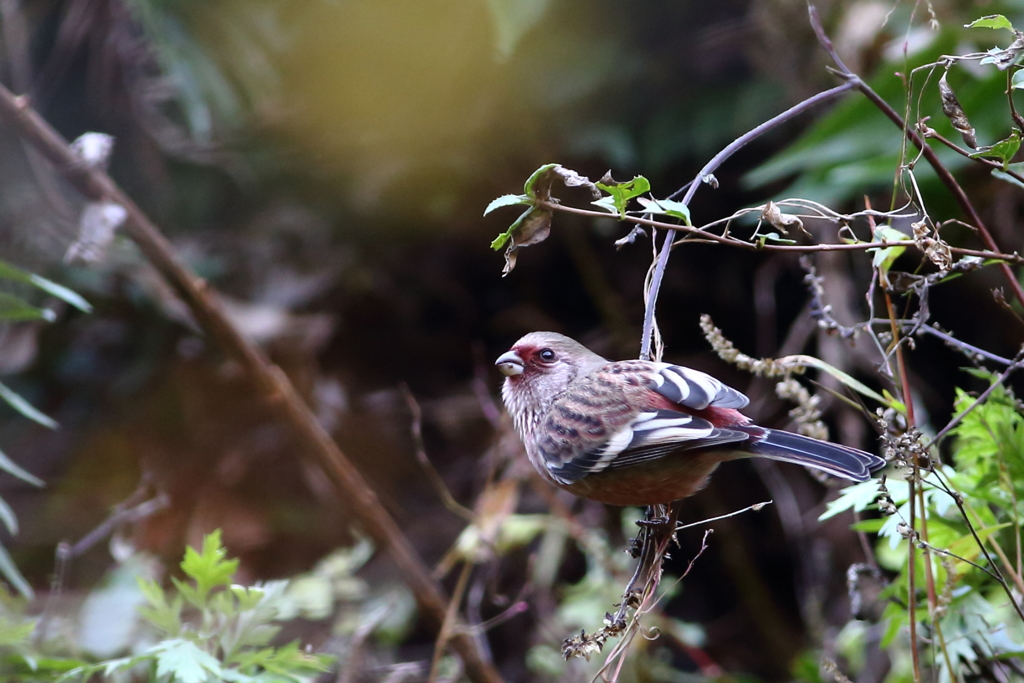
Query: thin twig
x: 929, y: 154
x: 931, y: 134
x: 962, y: 345
x: 710, y: 168
x: 1014, y: 258
x: 428, y: 467
x: 268, y: 379
x: 978, y: 401
x: 756, y: 507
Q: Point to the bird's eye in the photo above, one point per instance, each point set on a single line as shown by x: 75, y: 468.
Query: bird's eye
x: 546, y: 355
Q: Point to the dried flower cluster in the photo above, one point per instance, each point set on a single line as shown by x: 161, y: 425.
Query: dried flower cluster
x: 807, y: 414
x: 762, y: 367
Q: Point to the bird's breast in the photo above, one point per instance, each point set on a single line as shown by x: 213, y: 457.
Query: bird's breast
x: 675, y: 476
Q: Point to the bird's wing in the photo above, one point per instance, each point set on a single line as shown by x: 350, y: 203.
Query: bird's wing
x: 610, y: 419
x: 693, y: 388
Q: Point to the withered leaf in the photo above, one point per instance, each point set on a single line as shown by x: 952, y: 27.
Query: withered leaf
x: 955, y: 113
x: 773, y: 214
x: 533, y: 227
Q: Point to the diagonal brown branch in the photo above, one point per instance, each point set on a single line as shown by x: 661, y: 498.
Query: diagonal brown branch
x: 267, y: 378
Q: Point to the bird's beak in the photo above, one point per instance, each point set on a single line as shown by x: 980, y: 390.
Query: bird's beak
x: 509, y: 364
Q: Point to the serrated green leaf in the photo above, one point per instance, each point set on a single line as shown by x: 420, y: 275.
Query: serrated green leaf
x: 858, y: 498
x: 208, y: 568
x: 112, y: 666
x: 182, y: 661
x: 621, y: 193
x: 287, y: 660
x: 163, y: 614
x: 12, y: 468
x: 9, y: 272
x: 506, y: 200
x: 24, y: 407
x: 996, y: 21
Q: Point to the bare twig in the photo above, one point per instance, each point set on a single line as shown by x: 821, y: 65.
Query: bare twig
x: 1013, y: 258
x: 929, y: 154
x: 710, y: 168
x: 428, y: 467
x: 756, y: 507
x: 268, y: 379
x: 1015, y: 365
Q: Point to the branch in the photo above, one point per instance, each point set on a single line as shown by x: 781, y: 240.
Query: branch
x: 709, y: 168
x: 269, y: 380
x: 944, y: 175
x: 794, y: 248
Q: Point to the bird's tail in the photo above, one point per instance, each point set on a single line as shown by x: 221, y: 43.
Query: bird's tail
x: 840, y: 461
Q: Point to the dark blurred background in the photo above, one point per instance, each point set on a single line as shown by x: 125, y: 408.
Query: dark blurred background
x: 325, y: 164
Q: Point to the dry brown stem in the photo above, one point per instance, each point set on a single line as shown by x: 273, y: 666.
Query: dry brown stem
x: 269, y: 380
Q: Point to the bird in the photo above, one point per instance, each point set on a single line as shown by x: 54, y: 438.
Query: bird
x: 641, y: 433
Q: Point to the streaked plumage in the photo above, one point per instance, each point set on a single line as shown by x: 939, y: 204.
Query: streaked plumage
x: 636, y: 432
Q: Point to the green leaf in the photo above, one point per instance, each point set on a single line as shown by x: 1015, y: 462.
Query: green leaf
x: 991, y: 21
x: 12, y: 634
x: 886, y: 256
x: 9, y: 272
x: 287, y: 660
x: 621, y: 193
x: 870, y: 526
x: 858, y: 498
x: 182, y: 661
x: 847, y: 380
x: 9, y: 571
x: 10, y: 521
x: 1004, y: 150
x: 164, y: 615
x: 530, y: 187
x: 773, y: 237
x: 12, y: 468
x: 209, y: 569
x: 1006, y: 177
x: 24, y: 407
x: 16, y: 309
x: 506, y: 200
x: 1017, y: 80
x: 668, y: 207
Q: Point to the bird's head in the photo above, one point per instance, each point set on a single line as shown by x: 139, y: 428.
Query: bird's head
x: 539, y: 367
